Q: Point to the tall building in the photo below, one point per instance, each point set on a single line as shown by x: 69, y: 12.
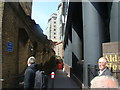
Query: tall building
x: 55, y: 30
x: 51, y: 28
x: 59, y: 45
x: 59, y: 23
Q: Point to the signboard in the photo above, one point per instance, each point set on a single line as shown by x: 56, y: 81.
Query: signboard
x: 114, y: 62
x: 10, y: 46
x: 111, y: 51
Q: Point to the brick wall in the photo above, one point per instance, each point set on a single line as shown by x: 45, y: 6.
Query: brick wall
x: 16, y: 29
x: 10, y: 29
x: 1, y: 15
x: 27, y: 6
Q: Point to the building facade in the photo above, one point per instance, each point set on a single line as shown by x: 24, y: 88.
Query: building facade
x: 59, y: 45
x: 52, y: 28
x: 20, y: 37
x: 89, y: 28
x: 59, y: 23
x: 58, y: 48
x: 55, y: 31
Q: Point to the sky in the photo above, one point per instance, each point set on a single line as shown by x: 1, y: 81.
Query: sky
x: 41, y: 12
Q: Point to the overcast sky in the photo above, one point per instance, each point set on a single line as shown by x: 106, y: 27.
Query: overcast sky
x: 41, y: 12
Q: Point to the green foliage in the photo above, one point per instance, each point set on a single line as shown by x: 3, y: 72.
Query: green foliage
x: 59, y: 58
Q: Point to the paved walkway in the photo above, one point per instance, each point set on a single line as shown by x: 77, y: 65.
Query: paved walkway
x: 62, y: 81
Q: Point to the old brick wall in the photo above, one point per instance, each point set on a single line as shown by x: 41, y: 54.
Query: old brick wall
x: 23, y: 50
x: 1, y: 15
x: 17, y: 28
x: 43, y: 53
x: 27, y: 6
x: 10, y: 62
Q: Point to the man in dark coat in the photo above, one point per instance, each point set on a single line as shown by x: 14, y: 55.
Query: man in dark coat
x: 29, y: 75
x: 102, y: 64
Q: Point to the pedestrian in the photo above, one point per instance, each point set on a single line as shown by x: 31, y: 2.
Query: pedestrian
x: 29, y: 75
x: 104, y: 82
x: 102, y: 64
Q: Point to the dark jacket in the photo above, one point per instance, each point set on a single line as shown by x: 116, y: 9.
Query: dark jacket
x: 106, y: 72
x: 29, y: 76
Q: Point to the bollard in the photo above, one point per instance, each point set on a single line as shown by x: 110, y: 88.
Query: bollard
x: 52, y: 77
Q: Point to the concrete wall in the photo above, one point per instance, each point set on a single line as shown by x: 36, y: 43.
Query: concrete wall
x: 76, y: 45
x: 94, y: 29
x: 99, y: 24
x: 68, y: 58
x: 114, y: 22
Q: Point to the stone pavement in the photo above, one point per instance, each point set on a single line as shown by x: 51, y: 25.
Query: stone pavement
x: 62, y: 81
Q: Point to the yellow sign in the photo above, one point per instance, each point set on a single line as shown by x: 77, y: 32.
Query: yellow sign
x: 114, y: 61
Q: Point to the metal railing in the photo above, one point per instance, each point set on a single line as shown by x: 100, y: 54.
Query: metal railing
x: 92, y: 72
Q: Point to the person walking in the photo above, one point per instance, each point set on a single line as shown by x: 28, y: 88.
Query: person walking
x: 103, y: 69
x: 29, y: 75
